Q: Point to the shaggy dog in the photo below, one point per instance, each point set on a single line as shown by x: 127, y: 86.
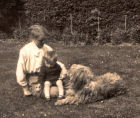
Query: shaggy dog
x: 84, y: 87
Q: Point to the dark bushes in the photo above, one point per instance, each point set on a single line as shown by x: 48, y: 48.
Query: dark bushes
x: 10, y: 12
x: 77, y: 17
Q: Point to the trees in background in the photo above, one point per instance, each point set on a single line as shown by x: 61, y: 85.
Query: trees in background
x: 71, y: 17
x: 10, y: 12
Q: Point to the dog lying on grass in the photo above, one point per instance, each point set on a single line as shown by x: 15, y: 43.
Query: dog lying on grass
x: 84, y: 87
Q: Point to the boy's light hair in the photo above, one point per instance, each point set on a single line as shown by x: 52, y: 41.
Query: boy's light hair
x: 50, y: 58
x: 37, y: 30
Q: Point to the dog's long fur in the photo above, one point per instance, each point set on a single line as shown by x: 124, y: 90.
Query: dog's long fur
x: 83, y: 86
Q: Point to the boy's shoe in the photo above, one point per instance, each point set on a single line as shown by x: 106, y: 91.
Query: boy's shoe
x: 47, y: 99
x: 60, y: 97
x: 26, y: 91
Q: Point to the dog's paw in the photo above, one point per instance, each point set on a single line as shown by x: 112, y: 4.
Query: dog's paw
x: 58, y: 102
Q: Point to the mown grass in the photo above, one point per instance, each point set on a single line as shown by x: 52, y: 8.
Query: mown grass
x: 125, y: 60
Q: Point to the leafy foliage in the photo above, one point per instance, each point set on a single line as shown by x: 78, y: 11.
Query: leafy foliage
x: 10, y: 11
x: 135, y: 34
x: 55, y: 15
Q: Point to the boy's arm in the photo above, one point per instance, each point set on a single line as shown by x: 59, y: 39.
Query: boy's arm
x: 20, y: 71
x: 63, y: 71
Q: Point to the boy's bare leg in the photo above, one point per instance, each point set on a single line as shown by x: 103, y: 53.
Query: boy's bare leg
x: 47, y: 86
x: 59, y: 84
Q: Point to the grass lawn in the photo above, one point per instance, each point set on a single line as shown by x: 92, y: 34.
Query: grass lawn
x: 125, y: 60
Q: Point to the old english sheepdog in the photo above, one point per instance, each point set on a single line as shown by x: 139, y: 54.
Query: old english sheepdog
x: 84, y: 87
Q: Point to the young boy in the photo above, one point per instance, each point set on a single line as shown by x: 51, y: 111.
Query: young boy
x: 51, y: 73
x: 30, y: 57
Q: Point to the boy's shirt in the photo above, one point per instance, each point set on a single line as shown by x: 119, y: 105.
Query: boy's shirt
x: 52, y: 74
x: 30, y: 60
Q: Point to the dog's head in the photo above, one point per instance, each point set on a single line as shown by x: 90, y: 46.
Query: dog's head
x: 79, y: 76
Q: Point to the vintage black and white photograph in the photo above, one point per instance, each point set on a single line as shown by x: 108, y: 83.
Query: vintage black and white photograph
x: 69, y: 58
